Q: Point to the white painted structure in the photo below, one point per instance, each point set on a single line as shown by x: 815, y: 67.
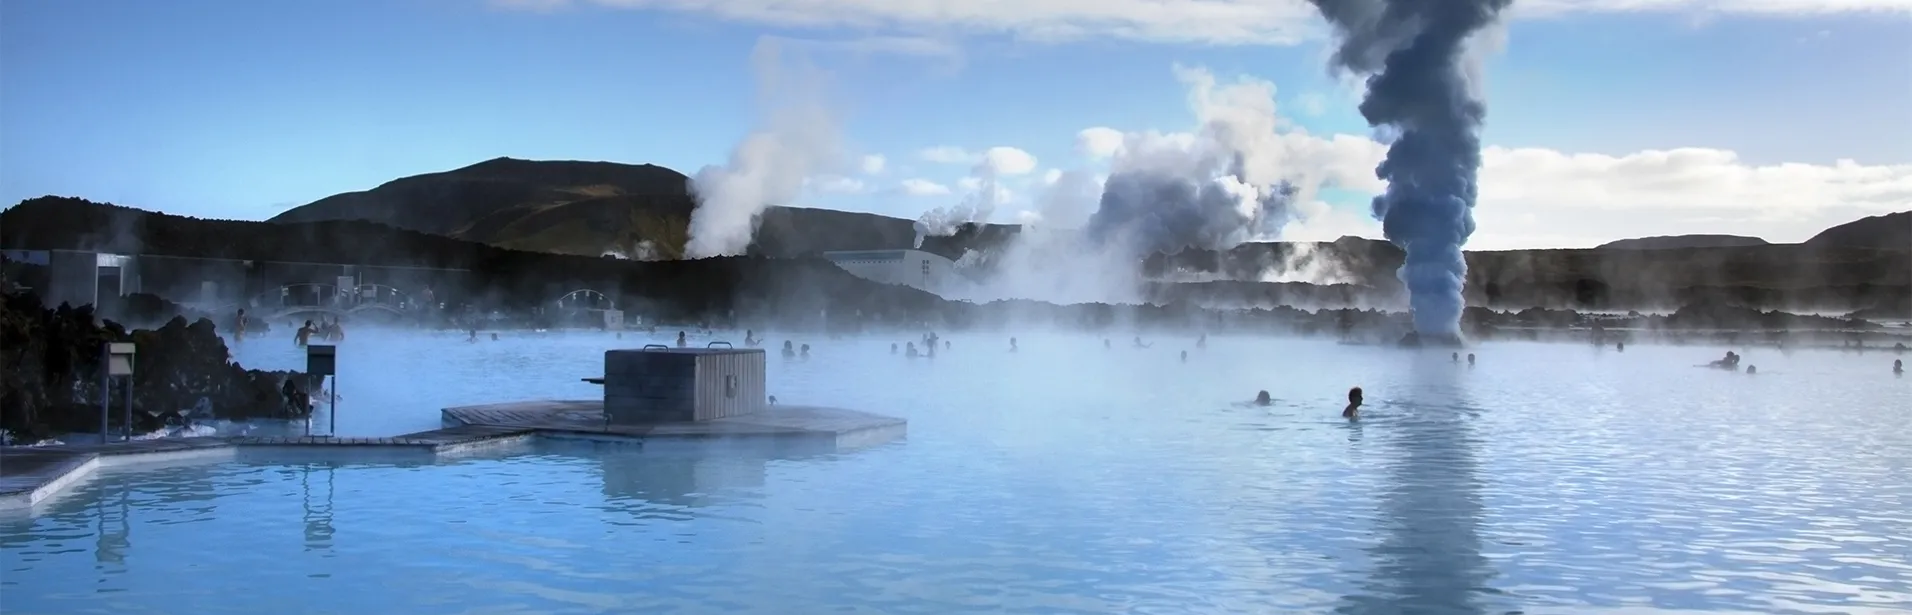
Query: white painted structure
x: 914, y: 268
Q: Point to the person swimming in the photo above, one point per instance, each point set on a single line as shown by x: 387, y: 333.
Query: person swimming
x: 805, y: 352
x: 1470, y: 363
x: 945, y: 344
x: 750, y: 338
x: 1353, y: 411
x: 684, y: 342
x: 1012, y: 344
x: 1752, y: 369
x: 1262, y: 398
x: 789, y: 349
x: 1456, y: 358
x: 304, y: 335
x: 910, y: 350
x: 1730, y: 361
x: 892, y: 347
x: 494, y: 337
x: 1898, y: 367
x: 1139, y: 344
x: 1620, y: 346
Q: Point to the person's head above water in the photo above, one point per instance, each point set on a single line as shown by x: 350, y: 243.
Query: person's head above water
x: 787, y: 345
x: 1354, y: 396
x: 1263, y: 398
x: 1470, y: 358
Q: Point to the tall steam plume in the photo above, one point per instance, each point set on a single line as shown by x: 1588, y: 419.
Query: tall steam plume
x: 1413, y: 53
x: 797, y: 139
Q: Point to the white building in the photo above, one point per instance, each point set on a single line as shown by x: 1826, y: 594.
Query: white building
x: 914, y: 268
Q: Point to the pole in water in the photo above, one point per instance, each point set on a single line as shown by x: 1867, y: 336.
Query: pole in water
x: 129, y: 408
x: 106, y: 404
x: 334, y: 412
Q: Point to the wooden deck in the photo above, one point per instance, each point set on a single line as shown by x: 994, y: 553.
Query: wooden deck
x: 834, y: 425
x: 31, y: 474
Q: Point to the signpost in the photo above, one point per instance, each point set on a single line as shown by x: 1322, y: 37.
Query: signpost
x: 118, y: 363
x: 322, y: 360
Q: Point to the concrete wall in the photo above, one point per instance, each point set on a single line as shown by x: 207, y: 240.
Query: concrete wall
x: 72, y: 278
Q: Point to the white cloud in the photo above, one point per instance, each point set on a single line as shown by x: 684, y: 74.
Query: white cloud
x: 1003, y: 160
x: 922, y: 187
x: 969, y: 184
x: 836, y: 184
x: 1223, y: 22
x: 873, y: 164
x: 1099, y: 142
x: 946, y: 154
x: 1050, y: 176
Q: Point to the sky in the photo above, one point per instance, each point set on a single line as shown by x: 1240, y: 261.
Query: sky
x: 1606, y: 119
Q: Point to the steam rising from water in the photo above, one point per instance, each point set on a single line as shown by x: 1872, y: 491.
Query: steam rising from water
x: 798, y: 138
x: 1420, y: 88
x: 1235, y: 178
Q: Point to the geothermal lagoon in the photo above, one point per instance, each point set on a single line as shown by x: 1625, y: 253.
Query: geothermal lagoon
x: 1063, y: 478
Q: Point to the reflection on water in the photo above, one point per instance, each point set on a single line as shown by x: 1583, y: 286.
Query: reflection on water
x: 1545, y: 480
x: 1429, y: 558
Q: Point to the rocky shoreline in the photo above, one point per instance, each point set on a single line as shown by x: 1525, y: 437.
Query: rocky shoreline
x: 50, y: 380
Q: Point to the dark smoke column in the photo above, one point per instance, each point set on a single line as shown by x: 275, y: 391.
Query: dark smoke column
x: 1412, y: 52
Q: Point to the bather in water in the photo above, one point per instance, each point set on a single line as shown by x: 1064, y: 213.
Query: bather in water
x: 1898, y: 367
x: 1012, y: 344
x: 789, y: 350
x: 1262, y: 398
x: 1353, y: 411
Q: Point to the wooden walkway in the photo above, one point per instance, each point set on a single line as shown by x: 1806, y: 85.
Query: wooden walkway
x: 31, y: 474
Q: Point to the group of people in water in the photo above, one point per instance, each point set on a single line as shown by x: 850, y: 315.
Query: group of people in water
x: 324, y: 330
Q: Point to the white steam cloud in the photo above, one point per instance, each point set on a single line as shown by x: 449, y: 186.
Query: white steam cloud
x: 797, y: 138
x: 985, y: 191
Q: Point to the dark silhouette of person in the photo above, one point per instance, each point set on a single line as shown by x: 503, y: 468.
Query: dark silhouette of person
x: 1262, y: 398
x: 1898, y: 367
x: 1012, y: 344
x: 789, y: 349
x: 1353, y: 411
x: 304, y: 334
x: 892, y: 348
x: 1470, y: 362
x: 682, y: 342
x: 1184, y: 356
x: 909, y: 350
x: 805, y: 353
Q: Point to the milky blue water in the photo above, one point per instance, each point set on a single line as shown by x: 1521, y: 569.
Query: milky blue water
x: 1060, y: 479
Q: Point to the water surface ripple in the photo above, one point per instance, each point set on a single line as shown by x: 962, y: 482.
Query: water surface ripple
x: 1060, y: 479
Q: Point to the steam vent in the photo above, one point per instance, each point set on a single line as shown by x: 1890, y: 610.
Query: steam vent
x: 687, y: 395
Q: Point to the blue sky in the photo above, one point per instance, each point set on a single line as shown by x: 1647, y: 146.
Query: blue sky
x: 241, y: 109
